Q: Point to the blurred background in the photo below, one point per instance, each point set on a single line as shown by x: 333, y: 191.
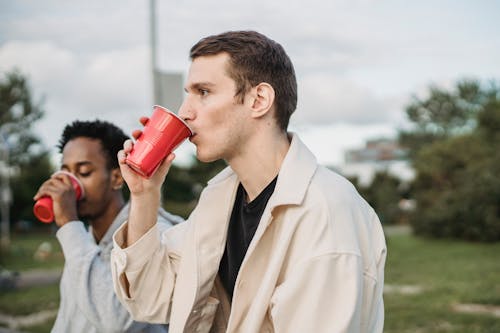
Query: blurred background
x: 403, y: 98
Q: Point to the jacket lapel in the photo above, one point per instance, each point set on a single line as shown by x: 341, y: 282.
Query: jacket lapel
x: 204, y: 247
x: 294, y: 177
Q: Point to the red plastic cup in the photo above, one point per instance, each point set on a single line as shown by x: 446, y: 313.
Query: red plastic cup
x: 43, y: 208
x: 164, y: 132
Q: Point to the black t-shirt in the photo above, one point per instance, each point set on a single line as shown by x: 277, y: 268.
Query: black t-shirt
x: 242, y: 226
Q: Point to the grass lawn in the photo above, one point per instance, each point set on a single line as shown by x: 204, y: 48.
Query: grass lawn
x: 20, y: 255
x: 447, y: 273
x: 441, y: 273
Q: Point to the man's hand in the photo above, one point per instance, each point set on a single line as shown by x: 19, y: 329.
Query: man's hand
x: 145, y: 194
x: 60, y: 188
x: 137, y: 184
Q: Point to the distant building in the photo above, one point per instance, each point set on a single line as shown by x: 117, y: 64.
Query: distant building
x: 378, y: 150
x: 380, y: 155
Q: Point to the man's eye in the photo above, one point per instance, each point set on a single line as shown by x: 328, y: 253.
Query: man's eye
x: 85, y: 174
x: 203, y: 92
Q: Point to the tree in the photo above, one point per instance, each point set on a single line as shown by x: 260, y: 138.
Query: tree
x: 384, y: 194
x: 442, y: 114
x: 183, y: 185
x: 457, y: 187
x: 27, y: 155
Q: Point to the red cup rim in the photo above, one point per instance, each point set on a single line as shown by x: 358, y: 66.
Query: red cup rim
x: 82, y: 189
x: 175, y: 115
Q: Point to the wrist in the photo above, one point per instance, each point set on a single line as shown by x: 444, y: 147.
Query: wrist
x: 145, y: 200
x: 143, y: 215
x: 62, y: 220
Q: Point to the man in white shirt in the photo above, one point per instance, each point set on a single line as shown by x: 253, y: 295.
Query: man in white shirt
x: 87, y: 301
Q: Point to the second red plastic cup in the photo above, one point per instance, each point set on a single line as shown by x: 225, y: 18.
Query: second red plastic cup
x: 43, y: 208
x: 164, y: 132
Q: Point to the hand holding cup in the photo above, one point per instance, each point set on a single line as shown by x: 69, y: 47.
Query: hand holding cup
x: 56, y: 186
x: 144, y: 165
x: 162, y: 133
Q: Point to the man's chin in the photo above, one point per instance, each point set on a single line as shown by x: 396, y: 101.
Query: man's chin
x: 85, y: 217
x: 206, y: 158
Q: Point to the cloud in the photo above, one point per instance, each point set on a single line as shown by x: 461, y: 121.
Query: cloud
x: 45, y: 64
x: 357, y: 62
x: 325, y: 98
x: 116, y: 80
x: 109, y: 80
x: 96, y: 26
x: 112, y: 85
x: 329, y: 141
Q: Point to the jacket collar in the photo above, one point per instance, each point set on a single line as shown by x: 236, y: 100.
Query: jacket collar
x: 295, y: 174
x: 297, y: 169
x: 216, y: 204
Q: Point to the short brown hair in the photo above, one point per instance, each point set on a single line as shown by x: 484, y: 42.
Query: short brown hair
x: 254, y: 58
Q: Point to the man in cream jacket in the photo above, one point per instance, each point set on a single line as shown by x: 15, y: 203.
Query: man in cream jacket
x: 277, y: 243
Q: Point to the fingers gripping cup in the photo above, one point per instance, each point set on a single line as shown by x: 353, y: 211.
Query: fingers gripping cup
x: 43, y: 208
x: 164, y: 132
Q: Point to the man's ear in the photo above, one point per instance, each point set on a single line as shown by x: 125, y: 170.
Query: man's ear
x: 116, y: 179
x: 263, y: 99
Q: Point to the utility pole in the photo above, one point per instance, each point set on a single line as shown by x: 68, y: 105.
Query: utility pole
x: 167, y: 87
x: 152, y: 36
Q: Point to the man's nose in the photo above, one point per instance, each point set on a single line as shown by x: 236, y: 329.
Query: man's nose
x: 185, y: 110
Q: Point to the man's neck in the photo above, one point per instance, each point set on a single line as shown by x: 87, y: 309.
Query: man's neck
x: 260, y: 162
x: 101, y: 224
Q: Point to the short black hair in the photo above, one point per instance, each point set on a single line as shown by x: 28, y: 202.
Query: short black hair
x: 110, y: 136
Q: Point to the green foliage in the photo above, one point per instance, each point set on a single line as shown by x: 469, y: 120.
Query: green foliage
x: 178, y: 186
x: 26, y: 153
x: 442, y: 114
x: 18, y: 112
x: 183, y: 185
x: 489, y: 119
x: 457, y: 187
x: 458, y: 190
x: 25, y: 185
x: 384, y: 194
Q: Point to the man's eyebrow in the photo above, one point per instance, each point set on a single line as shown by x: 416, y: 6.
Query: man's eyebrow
x: 199, y: 85
x: 78, y: 164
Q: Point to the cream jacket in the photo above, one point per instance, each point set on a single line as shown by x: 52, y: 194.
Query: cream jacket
x: 315, y: 264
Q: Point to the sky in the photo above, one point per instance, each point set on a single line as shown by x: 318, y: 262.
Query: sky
x: 358, y: 62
